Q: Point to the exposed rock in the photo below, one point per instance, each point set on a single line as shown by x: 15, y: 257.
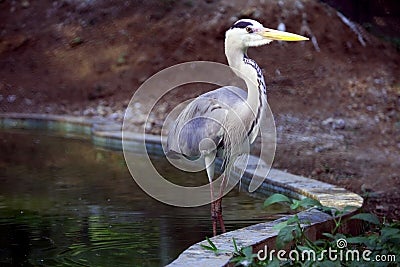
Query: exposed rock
x: 335, y: 123
x: 11, y: 98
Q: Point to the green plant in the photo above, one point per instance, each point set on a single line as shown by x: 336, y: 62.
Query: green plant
x: 212, y: 247
x: 243, y: 256
x: 378, y: 241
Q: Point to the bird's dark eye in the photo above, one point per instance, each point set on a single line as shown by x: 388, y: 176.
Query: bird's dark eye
x: 249, y: 29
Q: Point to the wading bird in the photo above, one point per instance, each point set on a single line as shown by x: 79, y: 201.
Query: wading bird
x: 227, y: 116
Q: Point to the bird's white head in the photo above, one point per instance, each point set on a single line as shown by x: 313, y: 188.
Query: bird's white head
x: 246, y: 33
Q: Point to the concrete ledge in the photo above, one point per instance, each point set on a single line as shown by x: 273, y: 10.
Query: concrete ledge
x: 108, y: 135
x: 101, y: 132
x: 263, y: 234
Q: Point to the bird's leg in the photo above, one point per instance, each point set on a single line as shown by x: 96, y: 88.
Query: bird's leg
x: 218, y: 211
x: 218, y: 205
x: 214, y: 215
x: 209, y: 162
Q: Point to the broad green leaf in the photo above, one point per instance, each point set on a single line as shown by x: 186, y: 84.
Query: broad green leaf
x: 306, y: 222
x: 276, y: 198
x: 395, y: 239
x: 327, y: 263
x: 304, y: 248
x: 274, y: 263
x: 349, y: 208
x: 285, y: 236
x: 321, y: 243
x: 293, y: 219
x: 339, y: 236
x: 357, y: 240
x: 329, y: 235
x: 328, y: 210
x: 280, y: 225
x: 367, y: 217
x: 248, y: 252
x: 388, y: 232
x: 309, y: 202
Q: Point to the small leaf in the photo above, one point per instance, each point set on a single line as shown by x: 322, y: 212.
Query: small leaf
x: 207, y: 247
x: 276, y: 198
x: 321, y: 243
x: 349, y: 208
x: 309, y: 202
x: 328, y: 210
x: 389, y: 233
x: 235, y: 246
x: 329, y: 235
x: 248, y: 252
x: 211, y: 243
x: 274, y: 263
x: 306, y: 222
x: 212, y: 246
x: 357, y: 240
x: 280, y: 225
x: 327, y: 263
x: 293, y: 219
x: 295, y: 205
x: 337, y: 213
x: 340, y: 236
x: 304, y: 248
x: 367, y: 217
x: 285, y: 236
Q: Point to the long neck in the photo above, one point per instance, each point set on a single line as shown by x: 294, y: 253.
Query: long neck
x: 250, y: 72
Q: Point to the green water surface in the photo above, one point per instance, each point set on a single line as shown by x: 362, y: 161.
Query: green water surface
x: 64, y: 202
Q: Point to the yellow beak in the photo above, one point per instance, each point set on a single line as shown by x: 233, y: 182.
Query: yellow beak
x: 280, y: 35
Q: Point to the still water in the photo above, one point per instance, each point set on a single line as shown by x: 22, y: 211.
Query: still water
x: 64, y: 202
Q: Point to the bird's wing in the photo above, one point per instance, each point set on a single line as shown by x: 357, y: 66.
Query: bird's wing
x: 203, y: 118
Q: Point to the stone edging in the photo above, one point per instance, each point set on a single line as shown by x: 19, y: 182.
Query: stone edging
x: 108, y: 134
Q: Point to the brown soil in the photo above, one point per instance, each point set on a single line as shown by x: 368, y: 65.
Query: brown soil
x: 337, y: 110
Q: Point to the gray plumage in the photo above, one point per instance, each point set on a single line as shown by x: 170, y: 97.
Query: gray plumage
x: 203, y: 118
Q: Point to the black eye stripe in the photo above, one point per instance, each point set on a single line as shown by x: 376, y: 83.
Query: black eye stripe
x: 242, y: 24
